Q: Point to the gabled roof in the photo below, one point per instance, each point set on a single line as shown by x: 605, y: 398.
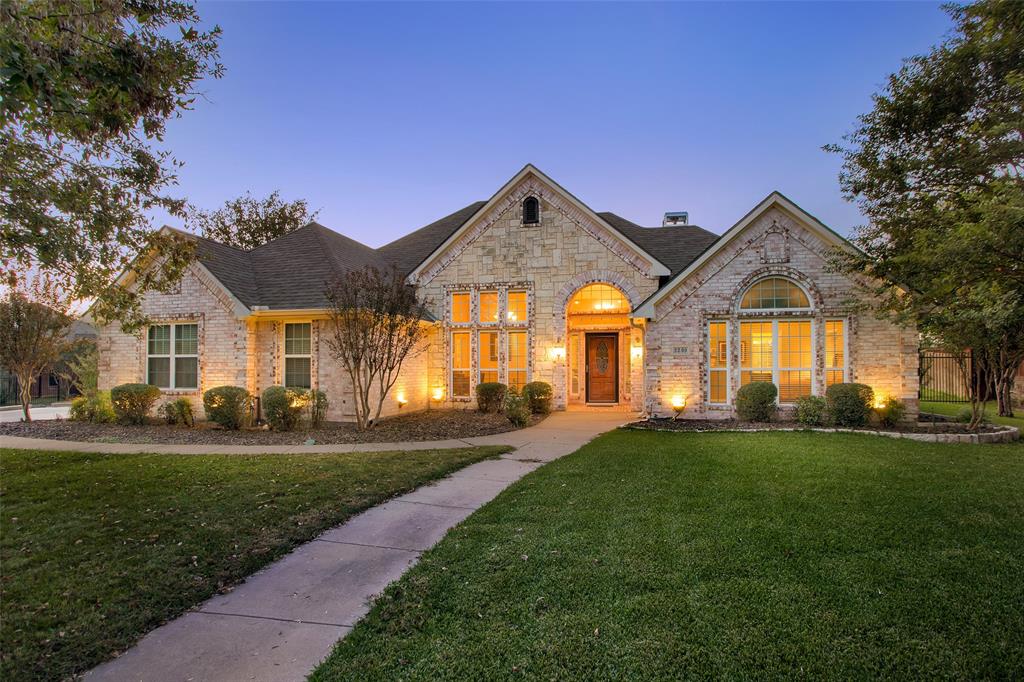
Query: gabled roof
x: 775, y: 199
x: 409, y: 251
x: 230, y: 265
x: 675, y: 246
x: 657, y: 267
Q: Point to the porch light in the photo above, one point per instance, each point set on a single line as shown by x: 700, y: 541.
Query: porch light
x: 400, y: 399
x: 557, y: 352
x: 437, y: 395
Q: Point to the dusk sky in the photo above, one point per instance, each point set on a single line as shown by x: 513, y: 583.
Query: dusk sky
x: 388, y: 116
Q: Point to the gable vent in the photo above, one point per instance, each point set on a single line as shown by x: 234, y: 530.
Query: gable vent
x: 531, y: 211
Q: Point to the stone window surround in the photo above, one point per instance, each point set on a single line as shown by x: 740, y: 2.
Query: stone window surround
x: 197, y: 319
x: 473, y: 327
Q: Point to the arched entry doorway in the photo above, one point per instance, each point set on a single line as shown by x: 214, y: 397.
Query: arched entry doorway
x: 598, y: 334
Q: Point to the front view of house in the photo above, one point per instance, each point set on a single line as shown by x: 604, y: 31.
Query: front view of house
x: 533, y: 285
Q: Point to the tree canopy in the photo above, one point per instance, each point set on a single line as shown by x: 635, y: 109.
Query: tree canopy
x: 247, y: 222
x: 86, y: 90
x: 936, y: 167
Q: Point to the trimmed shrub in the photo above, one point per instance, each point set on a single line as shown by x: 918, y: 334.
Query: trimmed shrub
x: 891, y: 412
x: 756, y: 402
x: 490, y: 396
x: 227, y: 406
x: 317, y: 408
x: 94, y: 408
x: 282, y: 407
x: 849, y: 404
x: 811, y: 410
x: 132, y: 402
x: 964, y: 415
x: 517, y: 409
x: 538, y: 395
x: 177, y: 412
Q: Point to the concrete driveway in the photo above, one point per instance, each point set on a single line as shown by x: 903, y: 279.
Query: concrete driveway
x: 13, y: 414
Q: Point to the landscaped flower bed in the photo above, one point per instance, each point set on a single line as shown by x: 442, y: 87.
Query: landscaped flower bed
x: 937, y: 431
x: 419, y: 426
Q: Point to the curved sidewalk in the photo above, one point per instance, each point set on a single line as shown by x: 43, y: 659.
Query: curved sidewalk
x: 283, y: 620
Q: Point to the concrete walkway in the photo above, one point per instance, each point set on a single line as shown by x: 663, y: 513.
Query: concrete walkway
x: 285, y: 619
x: 14, y: 414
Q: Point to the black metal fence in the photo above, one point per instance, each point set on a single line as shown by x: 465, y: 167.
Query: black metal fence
x: 8, y: 390
x: 943, y: 376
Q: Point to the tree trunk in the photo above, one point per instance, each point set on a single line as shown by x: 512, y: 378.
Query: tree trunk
x: 25, y: 389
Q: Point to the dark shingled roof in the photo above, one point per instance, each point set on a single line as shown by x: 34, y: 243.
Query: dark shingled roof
x: 409, y: 251
x: 291, y: 272
x: 676, y: 247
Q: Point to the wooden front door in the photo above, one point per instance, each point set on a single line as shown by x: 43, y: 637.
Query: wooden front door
x: 602, y: 368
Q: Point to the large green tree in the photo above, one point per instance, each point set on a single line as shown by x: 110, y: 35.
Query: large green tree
x: 936, y: 167
x: 86, y: 89
x: 248, y: 222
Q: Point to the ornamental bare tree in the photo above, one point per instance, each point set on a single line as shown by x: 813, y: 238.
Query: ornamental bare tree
x: 32, y: 338
x: 376, y: 322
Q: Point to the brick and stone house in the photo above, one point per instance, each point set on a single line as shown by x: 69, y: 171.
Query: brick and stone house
x: 533, y: 285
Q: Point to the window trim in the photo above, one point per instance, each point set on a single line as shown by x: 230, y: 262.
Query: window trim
x: 285, y: 355
x: 172, y: 356
x: 727, y: 370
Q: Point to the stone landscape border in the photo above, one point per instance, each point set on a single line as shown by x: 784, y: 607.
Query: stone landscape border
x: 1004, y: 434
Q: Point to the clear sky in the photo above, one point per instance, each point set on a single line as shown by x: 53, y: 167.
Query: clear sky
x: 387, y: 116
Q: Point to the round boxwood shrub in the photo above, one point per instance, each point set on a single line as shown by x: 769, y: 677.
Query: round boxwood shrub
x: 95, y: 408
x: 891, y: 412
x: 282, y: 407
x: 849, y: 404
x: 490, y: 396
x: 538, y: 395
x: 517, y: 409
x: 756, y: 402
x: 811, y: 410
x: 132, y: 402
x: 227, y: 406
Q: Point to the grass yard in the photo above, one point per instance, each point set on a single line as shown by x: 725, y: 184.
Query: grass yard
x: 991, y: 412
x: 718, y: 555
x: 96, y: 550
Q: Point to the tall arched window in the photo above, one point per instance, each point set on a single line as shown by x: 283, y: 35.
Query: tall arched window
x: 774, y: 293
x: 531, y: 211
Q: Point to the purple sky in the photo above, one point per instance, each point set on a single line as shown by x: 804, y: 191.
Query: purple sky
x: 388, y: 116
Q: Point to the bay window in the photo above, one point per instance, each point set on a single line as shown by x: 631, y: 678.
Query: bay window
x: 172, y: 356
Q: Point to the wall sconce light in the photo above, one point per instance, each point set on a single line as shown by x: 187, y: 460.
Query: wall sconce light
x: 437, y: 395
x: 678, y: 405
x: 637, y: 352
x: 557, y: 352
x: 400, y: 399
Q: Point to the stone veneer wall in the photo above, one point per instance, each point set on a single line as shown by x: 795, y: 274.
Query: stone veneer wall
x: 550, y: 261
x: 880, y: 354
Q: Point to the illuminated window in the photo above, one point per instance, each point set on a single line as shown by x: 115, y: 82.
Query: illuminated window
x: 598, y: 299
x: 488, y: 307
x: 460, y: 364
x: 779, y: 352
x: 574, y: 364
x: 517, y: 359
x: 298, y: 349
x: 835, y: 352
x: 460, y: 307
x: 173, y: 365
x: 774, y: 292
x: 517, y: 307
x: 531, y: 211
x: 718, y: 363
x: 488, y: 356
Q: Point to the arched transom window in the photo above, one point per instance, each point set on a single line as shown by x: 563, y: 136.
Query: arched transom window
x: 774, y: 293
x: 598, y: 299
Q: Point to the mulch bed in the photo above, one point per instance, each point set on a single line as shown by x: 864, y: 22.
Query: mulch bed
x: 702, y: 426
x: 419, y: 426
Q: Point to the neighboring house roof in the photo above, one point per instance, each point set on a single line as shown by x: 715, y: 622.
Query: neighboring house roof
x: 675, y: 246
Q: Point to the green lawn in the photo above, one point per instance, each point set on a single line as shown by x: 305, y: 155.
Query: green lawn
x: 95, y: 550
x: 739, y: 556
x: 991, y: 412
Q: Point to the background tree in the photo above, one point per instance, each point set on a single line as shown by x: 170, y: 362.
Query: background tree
x: 32, y: 336
x: 86, y: 88
x: 936, y: 168
x: 376, y: 322
x: 247, y: 222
